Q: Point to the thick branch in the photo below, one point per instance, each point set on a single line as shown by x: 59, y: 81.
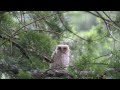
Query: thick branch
x: 17, y: 45
x: 49, y: 74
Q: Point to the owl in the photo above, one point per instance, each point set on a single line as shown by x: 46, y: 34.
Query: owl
x: 60, y: 57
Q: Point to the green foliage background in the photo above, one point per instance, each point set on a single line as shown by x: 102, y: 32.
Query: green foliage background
x: 93, y: 38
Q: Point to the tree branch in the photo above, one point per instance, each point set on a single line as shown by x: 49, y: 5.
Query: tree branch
x: 46, y: 58
x: 49, y: 74
x: 17, y: 45
x: 70, y: 30
x: 33, y: 22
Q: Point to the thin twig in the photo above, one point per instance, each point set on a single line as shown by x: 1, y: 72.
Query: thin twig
x: 105, y: 20
x: 98, y: 16
x: 111, y: 19
x: 20, y: 21
x: 33, y: 22
x: 102, y: 56
x: 110, y: 32
x: 70, y: 30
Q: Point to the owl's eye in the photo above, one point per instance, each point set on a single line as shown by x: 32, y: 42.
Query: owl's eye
x: 64, y: 48
x: 59, y: 48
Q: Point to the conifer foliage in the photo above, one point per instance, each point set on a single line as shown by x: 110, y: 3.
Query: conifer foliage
x: 28, y: 38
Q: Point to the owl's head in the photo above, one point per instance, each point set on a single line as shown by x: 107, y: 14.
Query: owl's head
x: 62, y: 48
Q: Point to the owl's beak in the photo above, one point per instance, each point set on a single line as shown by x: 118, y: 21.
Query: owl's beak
x: 63, y: 51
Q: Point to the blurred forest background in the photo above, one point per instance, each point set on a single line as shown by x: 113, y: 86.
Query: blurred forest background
x: 28, y: 38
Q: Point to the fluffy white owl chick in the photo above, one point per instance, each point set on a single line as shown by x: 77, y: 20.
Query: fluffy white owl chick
x: 60, y: 57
